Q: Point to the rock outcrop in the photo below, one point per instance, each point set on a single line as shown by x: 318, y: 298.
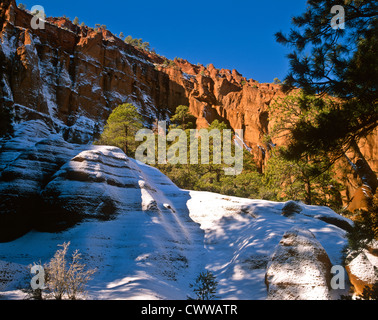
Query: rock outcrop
x: 363, y: 269
x: 49, y: 184
x: 73, y: 77
x: 94, y: 183
x: 28, y: 161
x: 161, y: 237
x: 299, y: 269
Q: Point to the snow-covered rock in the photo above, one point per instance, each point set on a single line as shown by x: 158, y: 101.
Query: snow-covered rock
x: 96, y: 182
x: 291, y: 207
x: 241, y: 236
x: 300, y: 268
x: 156, y: 254
x: 363, y: 271
x: 29, y: 159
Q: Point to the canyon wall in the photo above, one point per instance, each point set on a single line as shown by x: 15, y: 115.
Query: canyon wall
x: 72, y: 77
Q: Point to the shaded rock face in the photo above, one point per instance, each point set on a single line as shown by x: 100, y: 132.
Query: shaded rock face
x: 28, y: 161
x: 299, y: 269
x: 49, y: 184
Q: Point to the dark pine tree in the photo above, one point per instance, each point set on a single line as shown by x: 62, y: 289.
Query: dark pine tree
x: 342, y: 63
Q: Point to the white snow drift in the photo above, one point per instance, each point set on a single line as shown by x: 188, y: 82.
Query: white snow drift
x: 162, y: 237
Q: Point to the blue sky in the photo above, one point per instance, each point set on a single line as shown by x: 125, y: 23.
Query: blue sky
x: 236, y: 34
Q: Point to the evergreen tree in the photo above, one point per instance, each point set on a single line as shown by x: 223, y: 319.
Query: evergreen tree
x: 205, y: 286
x: 145, y: 46
x: 183, y: 119
x: 213, y: 171
x: 342, y: 63
x: 76, y: 21
x: 301, y: 180
x: 211, y: 176
x: 129, y: 39
x: 334, y: 52
x: 310, y: 178
x: 139, y: 42
x: 121, y: 127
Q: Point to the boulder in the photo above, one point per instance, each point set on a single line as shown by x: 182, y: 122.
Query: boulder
x: 291, y: 207
x: 363, y: 271
x: 299, y: 268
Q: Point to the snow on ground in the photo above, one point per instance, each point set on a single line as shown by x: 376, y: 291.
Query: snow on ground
x: 154, y: 251
x: 242, y: 234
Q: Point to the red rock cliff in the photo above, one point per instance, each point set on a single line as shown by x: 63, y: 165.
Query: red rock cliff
x: 73, y: 77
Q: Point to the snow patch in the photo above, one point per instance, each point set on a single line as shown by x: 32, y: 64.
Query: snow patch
x: 8, y: 46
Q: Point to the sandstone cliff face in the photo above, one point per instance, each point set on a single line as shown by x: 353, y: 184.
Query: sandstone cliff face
x: 227, y: 96
x: 72, y: 77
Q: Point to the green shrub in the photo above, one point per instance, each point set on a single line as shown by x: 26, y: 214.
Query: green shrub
x: 205, y: 286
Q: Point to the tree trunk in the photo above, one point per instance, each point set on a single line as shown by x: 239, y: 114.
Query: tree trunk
x: 126, y: 134
x: 308, y: 191
x: 363, y: 169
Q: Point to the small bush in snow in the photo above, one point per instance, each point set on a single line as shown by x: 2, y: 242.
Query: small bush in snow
x: 205, y: 286
x: 63, y: 279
